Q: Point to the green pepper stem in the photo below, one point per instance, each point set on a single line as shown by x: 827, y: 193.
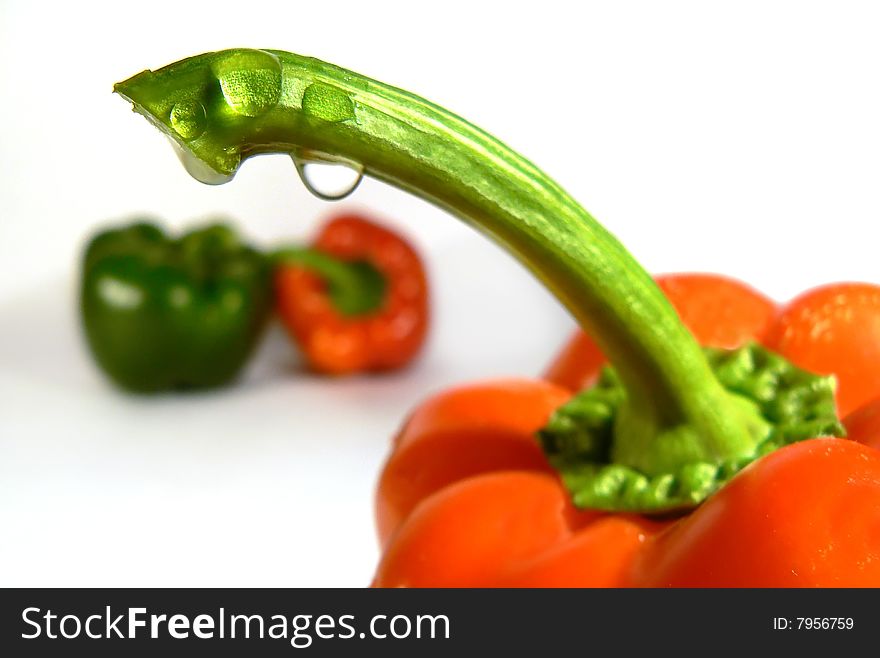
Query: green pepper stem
x: 355, y: 287
x: 322, y: 112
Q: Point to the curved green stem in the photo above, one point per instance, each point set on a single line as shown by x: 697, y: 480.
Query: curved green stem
x: 224, y: 107
x: 355, y: 288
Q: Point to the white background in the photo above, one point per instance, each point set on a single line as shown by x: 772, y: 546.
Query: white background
x: 741, y: 138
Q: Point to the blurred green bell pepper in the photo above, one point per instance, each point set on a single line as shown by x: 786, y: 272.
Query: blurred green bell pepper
x: 166, y: 313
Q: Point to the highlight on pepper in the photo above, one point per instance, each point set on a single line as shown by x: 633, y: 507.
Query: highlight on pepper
x: 680, y: 466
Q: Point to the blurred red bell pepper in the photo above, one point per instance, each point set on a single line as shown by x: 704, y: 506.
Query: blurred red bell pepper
x: 356, y: 300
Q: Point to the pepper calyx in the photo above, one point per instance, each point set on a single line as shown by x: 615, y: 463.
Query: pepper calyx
x: 583, y: 439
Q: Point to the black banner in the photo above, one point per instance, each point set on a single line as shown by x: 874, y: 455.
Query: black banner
x: 283, y: 622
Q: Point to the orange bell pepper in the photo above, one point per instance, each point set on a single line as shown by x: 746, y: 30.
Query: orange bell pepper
x: 466, y: 497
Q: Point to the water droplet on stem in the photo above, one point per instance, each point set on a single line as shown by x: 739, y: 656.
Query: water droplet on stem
x: 327, y: 103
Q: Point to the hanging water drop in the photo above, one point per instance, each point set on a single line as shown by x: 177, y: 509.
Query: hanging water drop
x: 329, y: 181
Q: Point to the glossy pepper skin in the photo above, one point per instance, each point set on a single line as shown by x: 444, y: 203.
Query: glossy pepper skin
x: 172, y: 313
x: 835, y: 329
x: 485, y: 509
x: 379, y: 325
x: 863, y: 425
x: 463, y: 467
x: 466, y: 499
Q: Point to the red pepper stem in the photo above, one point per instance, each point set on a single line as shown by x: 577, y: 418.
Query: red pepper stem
x: 355, y: 287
